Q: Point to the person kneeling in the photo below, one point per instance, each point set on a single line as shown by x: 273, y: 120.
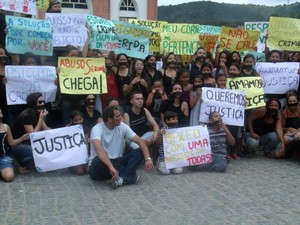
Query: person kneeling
x: 108, y: 160
x: 219, y: 136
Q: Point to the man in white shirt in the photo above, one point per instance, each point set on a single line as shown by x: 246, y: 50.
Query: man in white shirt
x: 108, y: 159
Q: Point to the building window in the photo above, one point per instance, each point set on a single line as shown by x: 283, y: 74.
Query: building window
x: 127, y: 5
x: 74, y: 4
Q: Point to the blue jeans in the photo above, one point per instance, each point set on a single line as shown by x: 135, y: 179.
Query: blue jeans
x: 23, y: 154
x: 6, y: 162
x: 126, y: 166
x: 269, y: 142
x: 218, y: 164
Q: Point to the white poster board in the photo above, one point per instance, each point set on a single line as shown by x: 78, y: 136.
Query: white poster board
x: 59, y: 148
x: 24, y: 80
x: 186, y: 146
x: 278, y: 78
x: 68, y: 29
x: 20, y: 6
x: 229, y: 103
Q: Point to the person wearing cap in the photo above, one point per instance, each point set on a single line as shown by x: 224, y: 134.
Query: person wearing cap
x: 54, y: 7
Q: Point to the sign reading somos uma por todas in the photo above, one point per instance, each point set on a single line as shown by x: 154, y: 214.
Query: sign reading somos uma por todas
x: 187, y: 146
x: 59, y: 148
x: 82, y: 75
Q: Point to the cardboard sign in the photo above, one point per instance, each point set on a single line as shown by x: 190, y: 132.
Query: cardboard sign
x: 253, y: 88
x: 25, y: 80
x: 284, y: 33
x: 234, y: 39
x: 82, y: 75
x: 59, y: 148
x: 103, y: 35
x: 68, y: 29
x: 133, y: 39
x: 20, y: 6
x: 187, y: 146
x: 156, y: 28
x: 278, y: 78
x: 230, y: 104
x: 182, y: 39
x: 28, y: 35
x: 263, y: 28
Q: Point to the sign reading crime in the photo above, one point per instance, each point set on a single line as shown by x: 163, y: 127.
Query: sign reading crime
x: 278, y: 78
x: 181, y: 39
x: 28, y: 35
x: 284, y: 34
x: 156, y: 28
x: 20, y: 6
x: 25, y: 80
x: 234, y: 39
x: 253, y: 88
x: 186, y: 146
x: 59, y: 148
x: 133, y: 39
x: 263, y: 28
x: 103, y: 34
x: 230, y: 104
x: 82, y: 75
x: 68, y: 29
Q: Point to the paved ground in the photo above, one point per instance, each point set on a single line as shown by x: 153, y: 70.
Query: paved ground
x: 253, y: 191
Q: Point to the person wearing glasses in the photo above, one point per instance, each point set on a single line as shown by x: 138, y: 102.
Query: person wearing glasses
x: 29, y: 120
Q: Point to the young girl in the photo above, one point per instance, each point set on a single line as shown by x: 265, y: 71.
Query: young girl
x: 224, y: 61
x: 169, y: 71
x: 206, y: 69
x: 7, y: 141
x: 221, y: 80
x: 154, y: 100
x: 234, y: 70
x: 76, y: 118
x: 183, y: 77
x: 195, y: 100
x: 248, y: 63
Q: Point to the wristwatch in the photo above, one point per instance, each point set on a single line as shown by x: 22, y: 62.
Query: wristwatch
x: 148, y: 159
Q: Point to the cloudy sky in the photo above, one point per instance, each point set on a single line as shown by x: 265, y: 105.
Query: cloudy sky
x: 257, y: 2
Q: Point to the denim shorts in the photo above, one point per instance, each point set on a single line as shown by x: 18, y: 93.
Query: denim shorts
x: 6, y: 162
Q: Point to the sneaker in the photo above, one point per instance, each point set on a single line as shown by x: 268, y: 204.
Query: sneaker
x: 117, y: 183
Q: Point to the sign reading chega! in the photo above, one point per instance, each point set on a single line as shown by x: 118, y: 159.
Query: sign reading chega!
x: 28, y: 35
x: 59, y: 148
x: 82, y: 75
x: 235, y: 39
x: 187, y: 146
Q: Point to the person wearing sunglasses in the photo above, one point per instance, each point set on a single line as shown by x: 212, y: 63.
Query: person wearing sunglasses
x: 29, y: 120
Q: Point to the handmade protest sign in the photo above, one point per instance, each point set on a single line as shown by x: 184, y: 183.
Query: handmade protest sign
x: 133, y: 39
x: 230, y: 104
x: 59, y: 148
x: 284, y: 34
x: 82, y: 75
x: 263, y: 28
x: 68, y: 29
x: 278, y: 78
x: 186, y: 146
x: 209, y: 37
x: 28, y: 35
x: 42, y: 4
x: 156, y: 28
x: 103, y: 34
x: 24, y: 80
x: 182, y: 39
x: 20, y: 6
x: 253, y: 88
x: 234, y: 39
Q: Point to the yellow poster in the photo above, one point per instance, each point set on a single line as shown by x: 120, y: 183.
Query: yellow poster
x: 284, y: 33
x: 234, y: 39
x: 182, y: 39
x: 42, y: 4
x: 253, y: 88
x: 82, y: 75
x: 208, y: 41
x: 156, y: 28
